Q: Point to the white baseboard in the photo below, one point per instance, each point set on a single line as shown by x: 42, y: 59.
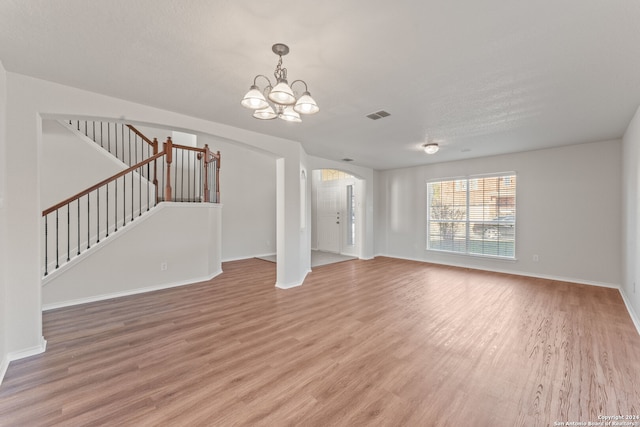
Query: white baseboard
x: 3, y: 368
x: 632, y: 313
x: 630, y: 310
x: 21, y: 354
x: 292, y: 285
x: 513, y: 272
x: 28, y: 352
x: 126, y: 293
x: 248, y: 257
x: 287, y: 285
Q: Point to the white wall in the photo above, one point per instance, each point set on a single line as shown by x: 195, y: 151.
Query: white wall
x: 69, y: 164
x: 631, y: 210
x: 184, y: 237
x: 183, y: 138
x: 568, y: 210
x: 248, y: 193
x: 4, y: 356
x: 161, y: 133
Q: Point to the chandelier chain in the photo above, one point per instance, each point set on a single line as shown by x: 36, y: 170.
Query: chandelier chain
x: 280, y: 73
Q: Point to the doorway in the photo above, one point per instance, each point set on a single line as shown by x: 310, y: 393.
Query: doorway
x: 335, y: 212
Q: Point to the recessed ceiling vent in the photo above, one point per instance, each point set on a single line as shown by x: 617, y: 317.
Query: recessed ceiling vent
x: 347, y: 160
x: 378, y: 115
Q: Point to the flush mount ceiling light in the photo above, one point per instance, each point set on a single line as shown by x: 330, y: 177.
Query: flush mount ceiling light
x: 284, y: 102
x: 431, y: 148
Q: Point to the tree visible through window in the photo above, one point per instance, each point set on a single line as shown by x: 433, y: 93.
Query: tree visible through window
x: 475, y: 215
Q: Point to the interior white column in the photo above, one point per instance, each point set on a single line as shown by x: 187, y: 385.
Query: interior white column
x: 22, y: 269
x: 291, y: 269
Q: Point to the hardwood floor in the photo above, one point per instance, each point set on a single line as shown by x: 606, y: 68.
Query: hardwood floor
x: 379, y: 342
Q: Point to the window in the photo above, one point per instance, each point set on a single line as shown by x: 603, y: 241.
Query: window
x: 333, y: 175
x: 474, y: 215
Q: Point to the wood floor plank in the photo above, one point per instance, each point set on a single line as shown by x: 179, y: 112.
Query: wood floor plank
x: 380, y: 342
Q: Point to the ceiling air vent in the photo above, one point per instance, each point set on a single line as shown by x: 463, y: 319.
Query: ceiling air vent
x: 378, y: 115
x: 347, y: 160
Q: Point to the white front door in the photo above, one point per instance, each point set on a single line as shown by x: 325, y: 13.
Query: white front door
x: 329, y: 220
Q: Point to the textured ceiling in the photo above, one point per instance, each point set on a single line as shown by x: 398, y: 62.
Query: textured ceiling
x: 480, y: 78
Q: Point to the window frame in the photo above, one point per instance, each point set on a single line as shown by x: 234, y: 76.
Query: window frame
x: 467, y: 221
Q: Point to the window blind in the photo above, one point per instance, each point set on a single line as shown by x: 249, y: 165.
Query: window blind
x: 473, y: 215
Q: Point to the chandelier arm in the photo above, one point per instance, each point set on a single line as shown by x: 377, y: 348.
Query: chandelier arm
x: 306, y: 89
x: 255, y: 79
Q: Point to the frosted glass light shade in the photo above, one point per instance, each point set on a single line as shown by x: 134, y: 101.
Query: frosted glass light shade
x: 306, y: 104
x: 254, y: 99
x: 290, y: 115
x: 265, y: 113
x: 282, y: 94
x: 431, y: 148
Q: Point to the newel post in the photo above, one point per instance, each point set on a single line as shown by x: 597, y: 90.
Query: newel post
x: 207, y: 159
x: 218, y: 178
x: 155, y: 169
x: 168, y: 150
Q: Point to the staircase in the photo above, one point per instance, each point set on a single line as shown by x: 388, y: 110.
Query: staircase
x: 151, y: 173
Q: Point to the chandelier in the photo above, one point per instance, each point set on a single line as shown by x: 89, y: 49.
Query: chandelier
x: 284, y: 103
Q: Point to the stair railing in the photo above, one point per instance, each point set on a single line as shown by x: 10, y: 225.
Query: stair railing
x: 121, y: 140
x: 95, y: 213
x: 188, y: 174
x: 131, y: 146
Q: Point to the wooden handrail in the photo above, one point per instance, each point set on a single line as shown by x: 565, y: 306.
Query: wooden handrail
x: 186, y: 147
x: 100, y: 184
x: 199, y: 150
x: 140, y: 134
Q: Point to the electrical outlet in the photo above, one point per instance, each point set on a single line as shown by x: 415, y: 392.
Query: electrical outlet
x: 163, y: 266
x: 536, y: 258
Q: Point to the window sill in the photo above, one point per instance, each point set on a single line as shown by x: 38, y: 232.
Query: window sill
x: 464, y: 254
